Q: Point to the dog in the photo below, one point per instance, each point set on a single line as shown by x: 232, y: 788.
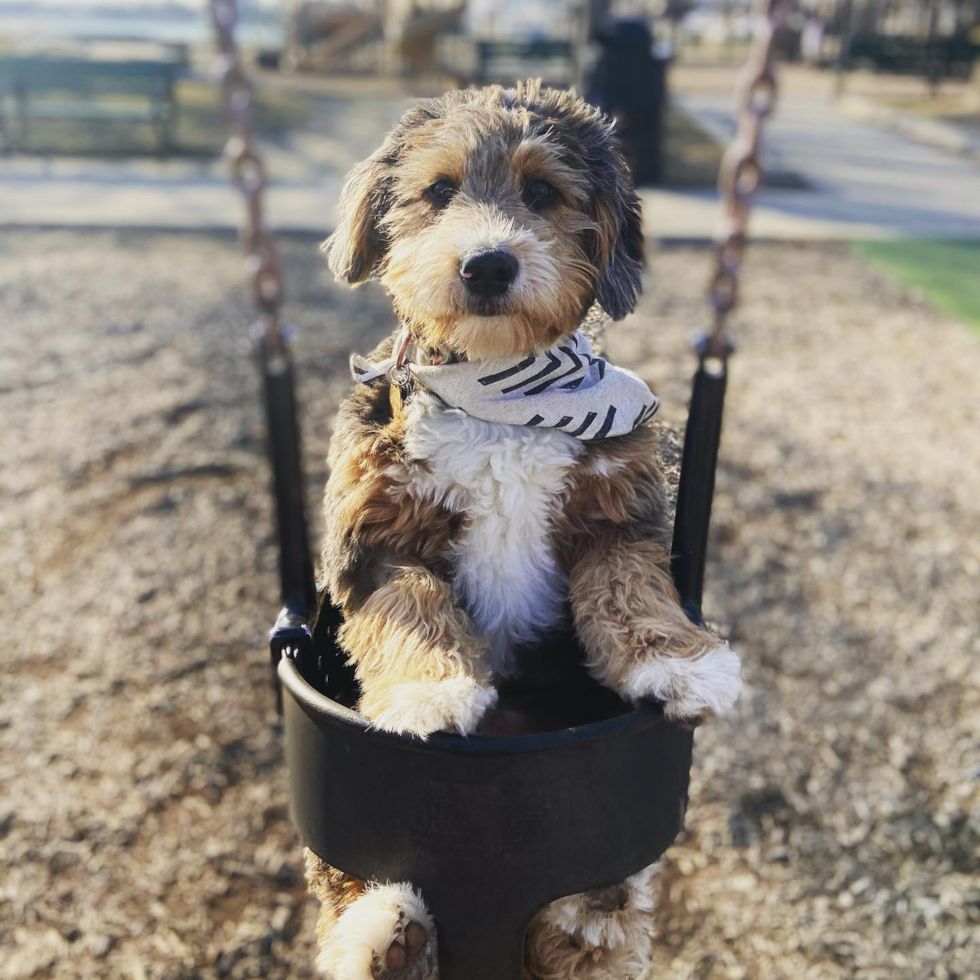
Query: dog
x: 462, y: 531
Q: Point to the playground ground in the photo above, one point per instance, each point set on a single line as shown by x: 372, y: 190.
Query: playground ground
x: 144, y: 834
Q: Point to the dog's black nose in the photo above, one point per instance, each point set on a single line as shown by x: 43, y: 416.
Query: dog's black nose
x: 489, y: 274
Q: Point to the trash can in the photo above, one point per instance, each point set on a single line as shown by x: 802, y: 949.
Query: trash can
x: 629, y: 83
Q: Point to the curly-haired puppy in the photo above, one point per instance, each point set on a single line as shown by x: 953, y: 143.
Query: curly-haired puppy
x: 493, y: 477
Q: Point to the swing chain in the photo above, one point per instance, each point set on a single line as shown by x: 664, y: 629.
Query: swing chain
x: 741, y: 173
x: 248, y: 172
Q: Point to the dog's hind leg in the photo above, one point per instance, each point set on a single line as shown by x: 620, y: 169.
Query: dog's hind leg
x: 605, y: 934
x: 368, y: 931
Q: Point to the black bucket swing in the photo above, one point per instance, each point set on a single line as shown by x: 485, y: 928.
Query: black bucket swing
x: 489, y: 828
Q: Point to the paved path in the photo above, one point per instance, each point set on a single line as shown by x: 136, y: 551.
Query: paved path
x: 307, y: 167
x: 79, y: 192
x: 863, y: 182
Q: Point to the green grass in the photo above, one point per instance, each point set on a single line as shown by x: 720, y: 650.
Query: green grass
x: 946, y: 271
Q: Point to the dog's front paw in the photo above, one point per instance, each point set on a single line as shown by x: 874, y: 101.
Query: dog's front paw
x: 386, y: 934
x: 690, y: 687
x: 455, y: 704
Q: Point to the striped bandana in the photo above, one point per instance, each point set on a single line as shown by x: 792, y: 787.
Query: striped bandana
x: 565, y: 387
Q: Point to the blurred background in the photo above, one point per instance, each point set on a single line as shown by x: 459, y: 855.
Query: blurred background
x: 835, y: 820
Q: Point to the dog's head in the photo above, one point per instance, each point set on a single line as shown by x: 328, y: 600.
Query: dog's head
x: 494, y: 218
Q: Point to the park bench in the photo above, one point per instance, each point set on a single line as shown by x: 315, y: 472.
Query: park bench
x: 57, y: 87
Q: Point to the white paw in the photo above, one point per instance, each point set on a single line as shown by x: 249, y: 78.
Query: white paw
x: 455, y: 704
x: 689, y: 686
x: 386, y: 934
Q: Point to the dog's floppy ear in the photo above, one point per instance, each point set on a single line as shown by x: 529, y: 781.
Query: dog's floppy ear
x: 357, y: 244
x: 618, y: 237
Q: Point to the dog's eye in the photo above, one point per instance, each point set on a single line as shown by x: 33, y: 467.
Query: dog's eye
x: 441, y: 191
x: 539, y: 193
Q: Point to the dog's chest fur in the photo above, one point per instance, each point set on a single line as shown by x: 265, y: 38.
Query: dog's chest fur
x: 508, y: 481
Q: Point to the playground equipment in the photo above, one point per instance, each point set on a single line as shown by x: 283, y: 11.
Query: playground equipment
x: 490, y: 828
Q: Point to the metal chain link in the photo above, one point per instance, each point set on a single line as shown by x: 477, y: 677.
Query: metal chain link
x: 247, y: 171
x: 741, y: 172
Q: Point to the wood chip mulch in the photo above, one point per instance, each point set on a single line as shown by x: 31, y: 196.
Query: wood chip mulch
x: 834, y: 823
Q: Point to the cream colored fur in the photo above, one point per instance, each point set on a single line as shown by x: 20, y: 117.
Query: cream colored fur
x: 422, y: 707
x: 630, y: 926
x: 362, y: 934
x: 688, y: 686
x: 570, y: 940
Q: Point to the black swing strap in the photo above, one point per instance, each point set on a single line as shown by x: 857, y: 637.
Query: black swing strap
x: 296, y: 575
x: 697, y: 484
x: 741, y: 173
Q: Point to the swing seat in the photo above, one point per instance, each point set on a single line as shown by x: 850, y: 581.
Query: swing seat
x: 489, y: 827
